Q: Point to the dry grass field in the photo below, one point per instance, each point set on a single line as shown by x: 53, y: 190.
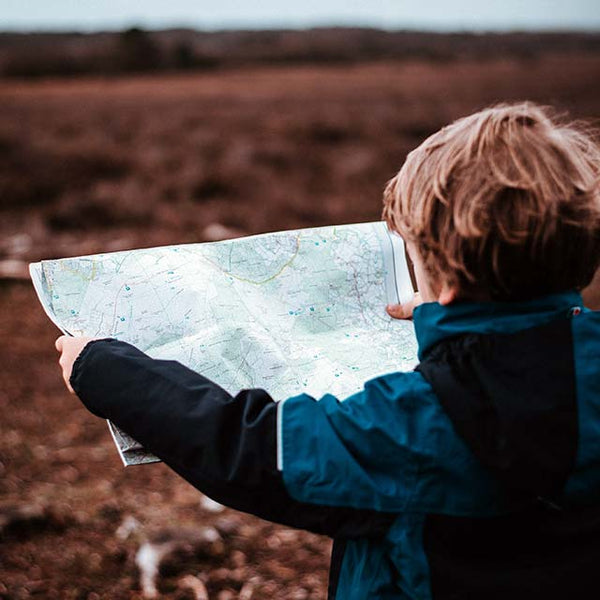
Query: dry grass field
x: 99, y: 164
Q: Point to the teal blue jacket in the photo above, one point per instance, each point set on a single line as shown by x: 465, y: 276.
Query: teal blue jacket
x: 475, y: 476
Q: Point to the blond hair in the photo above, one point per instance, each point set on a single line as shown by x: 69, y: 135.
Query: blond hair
x: 503, y: 204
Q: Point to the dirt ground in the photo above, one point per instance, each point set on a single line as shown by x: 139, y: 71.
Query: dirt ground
x: 93, y: 164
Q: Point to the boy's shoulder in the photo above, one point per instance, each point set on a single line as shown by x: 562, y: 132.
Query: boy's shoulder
x: 517, y: 398
x: 586, y: 328
x: 485, y: 408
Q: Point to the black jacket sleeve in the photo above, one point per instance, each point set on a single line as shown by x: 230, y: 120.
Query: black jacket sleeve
x: 226, y: 446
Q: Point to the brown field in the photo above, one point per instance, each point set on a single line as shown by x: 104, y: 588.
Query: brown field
x: 105, y: 164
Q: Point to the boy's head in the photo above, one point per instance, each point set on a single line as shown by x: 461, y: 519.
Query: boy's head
x: 501, y: 205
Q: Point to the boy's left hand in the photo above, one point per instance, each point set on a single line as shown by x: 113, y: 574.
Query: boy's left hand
x: 70, y: 348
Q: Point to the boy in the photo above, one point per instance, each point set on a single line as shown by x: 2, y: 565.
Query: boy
x: 478, y: 474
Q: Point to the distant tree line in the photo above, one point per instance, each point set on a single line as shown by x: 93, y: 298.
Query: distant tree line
x: 136, y: 50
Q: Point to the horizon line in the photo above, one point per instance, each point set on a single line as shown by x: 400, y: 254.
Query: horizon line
x: 413, y: 27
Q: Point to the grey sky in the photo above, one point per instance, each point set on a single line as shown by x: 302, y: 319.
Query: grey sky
x: 202, y: 14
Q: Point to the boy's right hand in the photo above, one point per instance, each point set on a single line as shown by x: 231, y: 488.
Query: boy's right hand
x: 404, y: 311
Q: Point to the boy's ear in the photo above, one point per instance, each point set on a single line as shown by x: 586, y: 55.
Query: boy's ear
x: 448, y: 294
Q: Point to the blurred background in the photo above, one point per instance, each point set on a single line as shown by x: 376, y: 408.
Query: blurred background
x: 129, y: 124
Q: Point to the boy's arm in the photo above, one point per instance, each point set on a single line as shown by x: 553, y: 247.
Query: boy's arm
x: 225, y: 446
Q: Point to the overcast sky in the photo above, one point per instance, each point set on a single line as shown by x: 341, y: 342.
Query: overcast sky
x: 392, y: 14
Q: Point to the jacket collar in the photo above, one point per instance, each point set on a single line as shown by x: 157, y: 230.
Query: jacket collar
x: 434, y: 322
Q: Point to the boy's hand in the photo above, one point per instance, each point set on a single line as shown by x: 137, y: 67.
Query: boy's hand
x: 404, y: 311
x: 69, y: 348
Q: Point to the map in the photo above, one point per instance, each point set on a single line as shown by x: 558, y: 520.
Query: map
x: 291, y: 312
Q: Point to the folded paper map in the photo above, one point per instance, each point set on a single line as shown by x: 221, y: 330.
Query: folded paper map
x: 291, y: 312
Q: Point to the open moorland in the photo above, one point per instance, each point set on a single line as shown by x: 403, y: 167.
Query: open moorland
x: 99, y: 163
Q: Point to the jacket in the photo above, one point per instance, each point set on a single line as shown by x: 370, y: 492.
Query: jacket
x: 475, y: 476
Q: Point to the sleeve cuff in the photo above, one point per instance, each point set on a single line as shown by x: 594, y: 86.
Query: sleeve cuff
x: 80, y: 362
